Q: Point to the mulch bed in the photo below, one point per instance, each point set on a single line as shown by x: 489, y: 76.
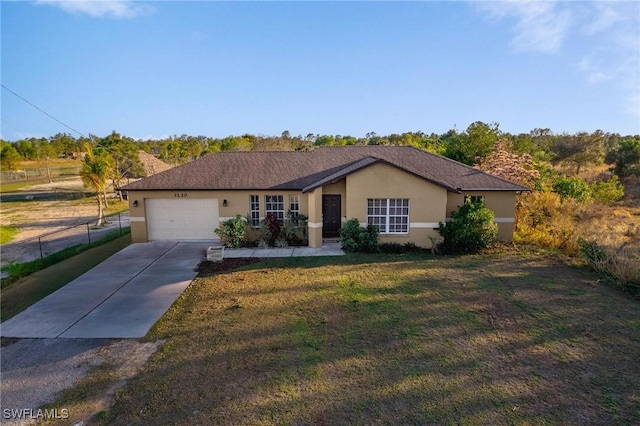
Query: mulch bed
x: 207, y: 268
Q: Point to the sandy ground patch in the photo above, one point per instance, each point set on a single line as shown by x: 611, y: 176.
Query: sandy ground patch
x: 36, y: 371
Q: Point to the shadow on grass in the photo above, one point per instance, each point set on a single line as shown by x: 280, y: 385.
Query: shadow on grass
x: 393, y: 339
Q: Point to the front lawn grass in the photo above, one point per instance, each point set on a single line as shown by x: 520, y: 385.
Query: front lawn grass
x: 392, y: 339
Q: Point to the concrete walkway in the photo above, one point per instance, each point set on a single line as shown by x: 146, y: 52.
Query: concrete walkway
x: 327, y: 249
x: 120, y: 298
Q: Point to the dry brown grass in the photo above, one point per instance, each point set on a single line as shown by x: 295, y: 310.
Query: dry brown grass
x: 375, y: 339
x: 544, y: 220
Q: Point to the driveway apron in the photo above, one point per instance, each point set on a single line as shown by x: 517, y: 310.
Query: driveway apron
x: 120, y: 298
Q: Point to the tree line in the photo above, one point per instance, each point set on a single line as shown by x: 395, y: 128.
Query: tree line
x: 470, y: 146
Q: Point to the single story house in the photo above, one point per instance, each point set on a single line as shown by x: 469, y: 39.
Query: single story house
x: 403, y: 190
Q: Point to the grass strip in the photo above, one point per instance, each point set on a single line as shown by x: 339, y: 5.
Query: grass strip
x: 21, y: 270
x: 7, y: 233
x: 26, y: 291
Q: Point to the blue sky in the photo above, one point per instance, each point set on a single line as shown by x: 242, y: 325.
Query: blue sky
x: 154, y: 69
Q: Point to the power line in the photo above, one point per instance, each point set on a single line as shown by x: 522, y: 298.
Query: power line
x: 41, y: 110
x: 65, y: 125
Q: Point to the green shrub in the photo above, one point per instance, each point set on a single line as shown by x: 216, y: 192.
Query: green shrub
x: 397, y: 248
x: 358, y: 239
x: 232, y: 231
x: 471, y: 229
x: 271, y: 229
x: 572, y: 187
x: 295, y: 229
x: 607, y: 192
x: 592, y: 251
x: 393, y: 248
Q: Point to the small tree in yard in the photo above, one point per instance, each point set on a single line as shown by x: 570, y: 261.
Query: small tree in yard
x: 471, y: 229
x: 95, y: 171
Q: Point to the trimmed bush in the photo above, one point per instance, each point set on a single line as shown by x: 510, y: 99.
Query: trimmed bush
x: 471, y: 229
x: 232, y: 231
x: 355, y: 238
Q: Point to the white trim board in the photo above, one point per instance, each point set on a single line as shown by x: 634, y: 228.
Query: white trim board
x: 418, y: 225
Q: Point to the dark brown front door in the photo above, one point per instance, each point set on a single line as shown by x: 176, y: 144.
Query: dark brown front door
x: 330, y: 216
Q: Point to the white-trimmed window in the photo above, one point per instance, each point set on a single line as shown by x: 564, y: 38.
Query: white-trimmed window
x: 254, y: 210
x: 390, y: 215
x: 274, y: 205
x: 294, y: 207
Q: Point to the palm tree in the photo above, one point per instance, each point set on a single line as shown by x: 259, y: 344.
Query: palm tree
x: 95, y: 173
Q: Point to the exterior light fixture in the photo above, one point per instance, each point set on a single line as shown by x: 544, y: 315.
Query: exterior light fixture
x: 224, y: 203
x: 135, y: 203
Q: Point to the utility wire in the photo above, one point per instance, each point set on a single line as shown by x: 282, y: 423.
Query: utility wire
x: 65, y: 125
x: 41, y: 110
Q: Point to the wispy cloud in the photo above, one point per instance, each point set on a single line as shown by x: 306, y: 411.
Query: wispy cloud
x: 607, y: 34
x: 539, y: 26
x: 101, y: 8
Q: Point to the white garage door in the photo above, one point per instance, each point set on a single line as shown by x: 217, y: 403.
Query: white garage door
x: 181, y: 219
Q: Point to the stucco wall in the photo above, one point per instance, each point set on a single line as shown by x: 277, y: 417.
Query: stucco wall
x: 338, y: 188
x: 502, y: 203
x: 427, y: 202
x: 238, y: 202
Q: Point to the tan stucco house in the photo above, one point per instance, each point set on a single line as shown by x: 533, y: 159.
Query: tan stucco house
x: 403, y: 190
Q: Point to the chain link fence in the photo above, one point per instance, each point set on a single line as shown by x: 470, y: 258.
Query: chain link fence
x: 38, y: 173
x: 52, y: 242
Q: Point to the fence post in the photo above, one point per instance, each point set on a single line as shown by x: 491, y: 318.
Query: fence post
x: 120, y: 224
x: 88, y: 233
x: 40, y: 245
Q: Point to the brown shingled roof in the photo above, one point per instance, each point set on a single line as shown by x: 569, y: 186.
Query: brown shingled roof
x: 305, y: 170
x: 151, y: 164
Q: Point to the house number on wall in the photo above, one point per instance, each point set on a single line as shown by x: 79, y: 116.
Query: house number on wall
x: 180, y: 195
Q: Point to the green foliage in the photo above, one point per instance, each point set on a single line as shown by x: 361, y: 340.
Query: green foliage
x: 124, y: 153
x: 572, y: 187
x: 592, y: 251
x: 9, y: 157
x: 626, y: 158
x: 397, y: 248
x: 271, y: 229
x: 295, y: 229
x: 580, y: 149
x: 355, y: 238
x: 607, y: 192
x: 471, y: 229
x: 474, y: 144
x: 20, y: 270
x: 232, y: 232
x: 7, y: 233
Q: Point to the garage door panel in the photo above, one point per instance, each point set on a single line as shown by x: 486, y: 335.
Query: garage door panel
x: 181, y: 219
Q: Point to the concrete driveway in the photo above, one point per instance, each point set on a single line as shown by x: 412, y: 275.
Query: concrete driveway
x: 120, y: 298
